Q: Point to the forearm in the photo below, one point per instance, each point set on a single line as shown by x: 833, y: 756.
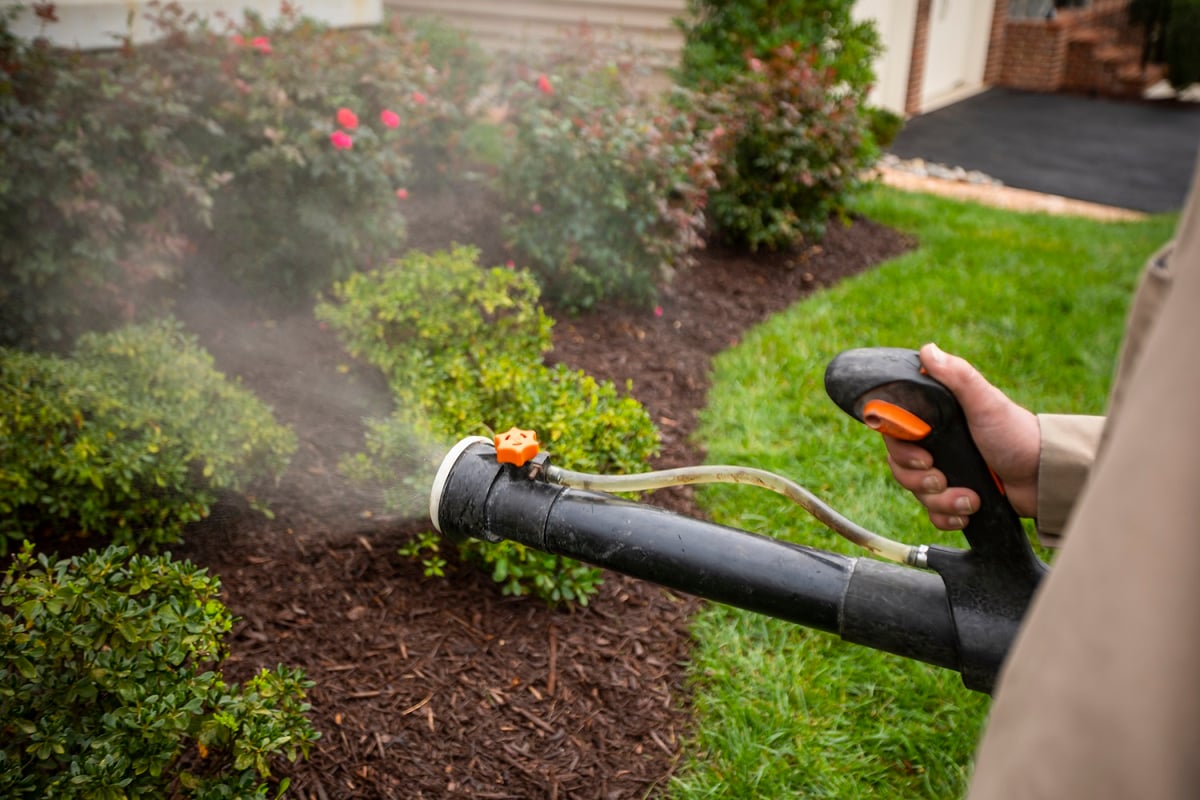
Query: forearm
x: 1068, y: 447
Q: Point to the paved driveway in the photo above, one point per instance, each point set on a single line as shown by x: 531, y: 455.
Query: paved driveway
x: 1130, y: 154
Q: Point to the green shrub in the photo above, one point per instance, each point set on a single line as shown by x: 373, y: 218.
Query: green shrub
x: 604, y: 188
x: 884, y: 125
x: 109, y: 685
x: 719, y: 36
x: 462, y: 350
x: 308, y: 167
x: 97, y: 188
x: 1182, y: 34
x: 213, y: 149
x: 132, y: 438
x: 433, y: 316
x: 453, y: 69
x: 1170, y: 29
x: 791, y: 150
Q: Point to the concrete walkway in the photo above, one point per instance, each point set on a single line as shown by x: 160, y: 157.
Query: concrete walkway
x: 1136, y: 155
x: 1006, y: 197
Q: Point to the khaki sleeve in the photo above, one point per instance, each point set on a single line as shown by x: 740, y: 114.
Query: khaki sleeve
x: 1069, y: 445
x: 1098, y: 696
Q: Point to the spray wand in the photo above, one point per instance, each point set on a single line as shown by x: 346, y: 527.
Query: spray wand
x: 958, y: 609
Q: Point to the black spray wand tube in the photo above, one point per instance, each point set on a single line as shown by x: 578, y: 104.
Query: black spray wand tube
x: 880, y: 605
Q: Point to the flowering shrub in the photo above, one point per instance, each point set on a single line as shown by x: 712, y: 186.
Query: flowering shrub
x: 268, y: 154
x: 309, y: 170
x: 109, y: 686
x: 462, y: 350
x: 719, y: 36
x: 605, y: 189
x: 438, y: 114
x: 130, y: 439
x: 792, y: 147
x: 97, y: 189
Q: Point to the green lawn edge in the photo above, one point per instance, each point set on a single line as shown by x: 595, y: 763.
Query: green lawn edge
x: 1038, y: 303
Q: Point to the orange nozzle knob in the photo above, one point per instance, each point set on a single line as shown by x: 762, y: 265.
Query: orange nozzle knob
x: 516, y: 446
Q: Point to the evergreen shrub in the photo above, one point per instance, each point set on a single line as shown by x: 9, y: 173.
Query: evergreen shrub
x: 604, y: 185
x: 131, y: 438
x: 462, y: 347
x: 110, y: 685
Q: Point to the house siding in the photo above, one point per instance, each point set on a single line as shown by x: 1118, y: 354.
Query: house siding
x: 513, y: 25
x: 507, y: 25
x: 93, y: 24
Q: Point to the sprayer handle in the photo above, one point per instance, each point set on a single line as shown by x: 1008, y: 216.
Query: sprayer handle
x: 885, y: 388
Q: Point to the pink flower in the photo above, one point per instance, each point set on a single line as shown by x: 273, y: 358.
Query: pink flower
x: 341, y: 140
x: 402, y: 194
x: 536, y: 208
x: 543, y: 84
x: 389, y: 118
x: 510, y: 264
x: 238, y: 40
x: 261, y: 44
x: 419, y: 98
x: 658, y: 311
x: 347, y: 119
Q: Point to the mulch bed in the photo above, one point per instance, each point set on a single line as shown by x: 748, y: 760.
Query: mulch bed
x: 429, y: 687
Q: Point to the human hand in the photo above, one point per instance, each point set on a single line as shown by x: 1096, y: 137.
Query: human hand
x: 1007, y: 435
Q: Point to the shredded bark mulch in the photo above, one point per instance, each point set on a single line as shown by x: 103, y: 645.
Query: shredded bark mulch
x: 442, y: 687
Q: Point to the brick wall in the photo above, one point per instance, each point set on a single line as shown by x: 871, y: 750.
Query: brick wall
x: 916, y: 70
x: 1049, y: 54
x: 995, y: 55
x: 1035, y: 52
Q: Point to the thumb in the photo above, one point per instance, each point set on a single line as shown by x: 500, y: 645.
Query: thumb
x: 1007, y: 435
x: 975, y: 394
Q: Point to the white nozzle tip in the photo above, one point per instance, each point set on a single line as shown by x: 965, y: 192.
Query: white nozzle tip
x: 439, y: 480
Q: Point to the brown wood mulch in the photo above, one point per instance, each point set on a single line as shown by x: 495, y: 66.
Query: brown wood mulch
x: 430, y: 687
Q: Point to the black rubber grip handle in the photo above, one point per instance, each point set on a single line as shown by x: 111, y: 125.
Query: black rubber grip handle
x: 893, y: 375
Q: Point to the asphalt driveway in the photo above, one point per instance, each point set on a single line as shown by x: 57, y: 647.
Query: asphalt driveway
x: 1131, y: 154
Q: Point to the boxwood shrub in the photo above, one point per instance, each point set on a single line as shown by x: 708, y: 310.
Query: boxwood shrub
x: 110, y: 685
x: 462, y: 349
x: 130, y: 438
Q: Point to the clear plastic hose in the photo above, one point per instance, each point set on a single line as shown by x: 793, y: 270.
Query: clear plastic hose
x: 661, y: 479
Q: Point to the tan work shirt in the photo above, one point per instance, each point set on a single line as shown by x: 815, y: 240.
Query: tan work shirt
x: 1099, y: 697
x: 1070, y: 442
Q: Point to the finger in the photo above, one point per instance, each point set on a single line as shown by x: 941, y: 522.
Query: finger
x: 917, y: 481
x: 950, y: 503
x: 975, y: 393
x: 947, y: 523
x: 907, y: 454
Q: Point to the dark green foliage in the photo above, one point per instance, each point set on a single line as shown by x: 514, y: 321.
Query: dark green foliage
x: 130, y: 439
x: 1182, y: 46
x: 211, y: 150
x: 291, y: 211
x: 1152, y: 16
x: 1171, y: 31
x: 97, y: 189
x: 719, y: 36
x: 453, y: 69
x: 604, y: 187
x: 791, y: 149
x: 786, y: 83
x: 109, y: 685
x: 462, y: 349
x: 885, y: 125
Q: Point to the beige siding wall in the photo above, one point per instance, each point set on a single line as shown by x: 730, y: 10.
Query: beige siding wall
x: 519, y: 24
x: 100, y: 23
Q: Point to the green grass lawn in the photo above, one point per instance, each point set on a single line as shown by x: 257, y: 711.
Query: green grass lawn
x: 1038, y: 303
